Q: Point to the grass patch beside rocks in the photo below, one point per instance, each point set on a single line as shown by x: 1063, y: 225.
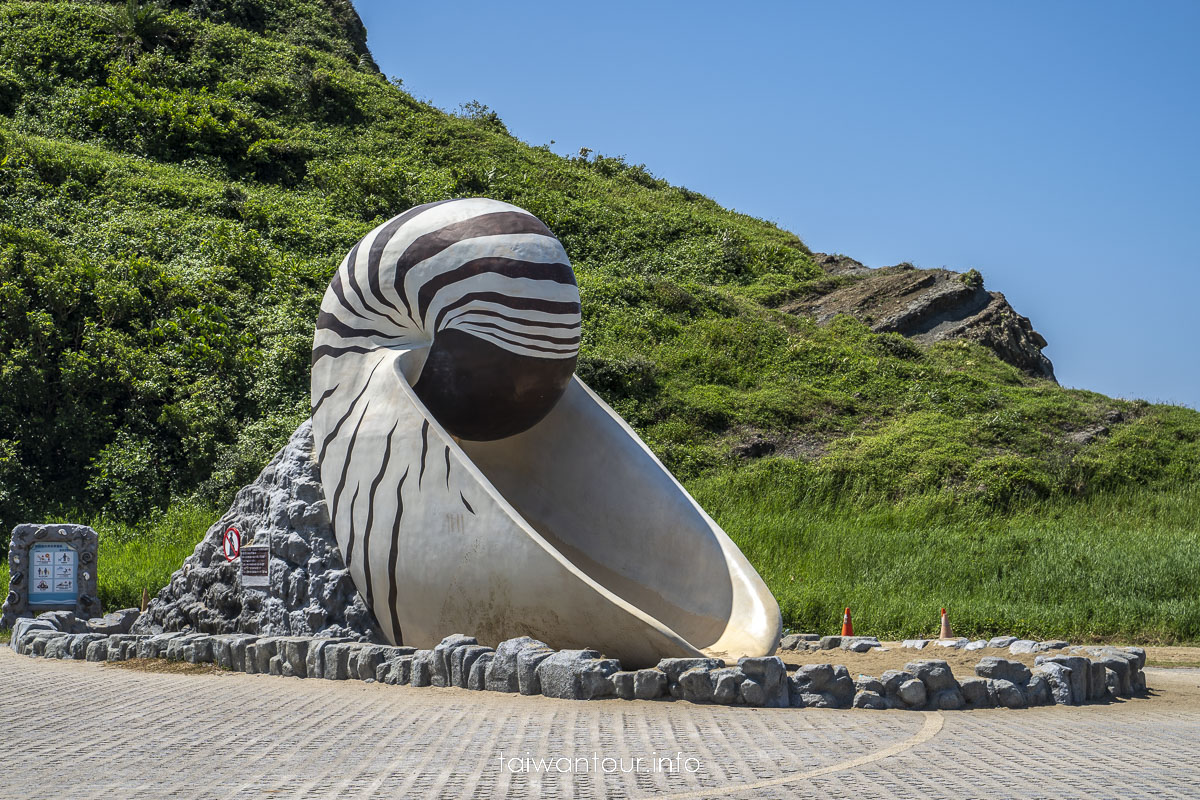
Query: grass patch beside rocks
x: 1120, y: 565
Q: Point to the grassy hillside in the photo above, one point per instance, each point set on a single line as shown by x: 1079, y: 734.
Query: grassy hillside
x: 176, y: 189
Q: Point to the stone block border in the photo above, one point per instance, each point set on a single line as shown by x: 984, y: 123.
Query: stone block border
x: 528, y: 666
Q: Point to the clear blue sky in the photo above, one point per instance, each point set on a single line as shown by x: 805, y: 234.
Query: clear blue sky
x: 1055, y: 147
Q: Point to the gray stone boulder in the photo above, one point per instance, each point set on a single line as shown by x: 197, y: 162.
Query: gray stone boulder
x: 366, y: 661
x: 66, y: 622
x: 859, y: 644
x: 943, y: 690
x: 870, y: 700
x: 319, y: 657
x: 842, y: 687
x: 934, y: 673
x: 866, y: 683
x: 97, y: 650
x: 674, y: 667
x: 954, y: 644
x: 696, y: 685
x: 813, y: 677
x: 1001, y: 641
x: 727, y: 686
x: 502, y: 671
x: 976, y: 693
x: 623, y: 683
x: 396, y: 671
x: 310, y: 592
x: 1123, y: 669
x: 1113, y: 682
x: 1058, y: 682
x: 1004, y: 669
x: 577, y: 675
x: 462, y: 661
x: 912, y: 693
x: 830, y: 642
x: 978, y: 644
x: 477, y: 677
x: 915, y: 644
x: 1037, y: 691
x: 77, y: 643
x: 821, y: 686
x: 797, y: 641
x: 442, y: 653
x: 59, y: 646
x: 528, y: 661
x: 26, y: 627
x: 769, y: 674
x: 422, y: 668
x: 43, y: 639
x: 1081, y: 669
x: 1008, y: 694
x: 223, y: 650
x: 1023, y: 647
x: 1097, y: 681
x: 948, y: 700
x: 649, y: 684
x: 156, y: 646
x: 114, y: 622
x: 892, y: 680
x: 118, y: 646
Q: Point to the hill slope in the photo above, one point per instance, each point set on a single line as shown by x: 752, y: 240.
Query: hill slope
x: 176, y: 190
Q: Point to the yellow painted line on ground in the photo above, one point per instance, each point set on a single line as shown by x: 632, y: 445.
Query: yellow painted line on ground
x: 931, y: 728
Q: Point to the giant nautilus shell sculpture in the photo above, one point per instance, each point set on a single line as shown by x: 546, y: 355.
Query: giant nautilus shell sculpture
x: 476, y: 485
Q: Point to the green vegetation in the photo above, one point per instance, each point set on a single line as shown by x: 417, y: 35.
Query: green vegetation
x: 142, y: 556
x: 178, y: 183
x: 1117, y: 566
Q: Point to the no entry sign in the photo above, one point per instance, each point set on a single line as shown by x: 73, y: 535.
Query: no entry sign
x: 231, y: 545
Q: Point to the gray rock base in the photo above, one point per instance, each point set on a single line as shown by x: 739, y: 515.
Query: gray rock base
x: 530, y: 667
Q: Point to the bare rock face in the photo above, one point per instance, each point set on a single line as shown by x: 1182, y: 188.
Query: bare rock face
x: 311, y: 592
x: 927, y: 306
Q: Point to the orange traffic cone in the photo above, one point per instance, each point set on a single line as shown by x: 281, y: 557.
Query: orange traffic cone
x: 945, y: 633
x: 847, y: 626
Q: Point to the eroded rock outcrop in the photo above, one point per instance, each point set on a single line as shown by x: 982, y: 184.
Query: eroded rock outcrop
x: 929, y: 305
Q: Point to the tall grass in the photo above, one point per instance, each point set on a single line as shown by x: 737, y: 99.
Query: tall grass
x: 1122, y: 565
x: 143, y: 556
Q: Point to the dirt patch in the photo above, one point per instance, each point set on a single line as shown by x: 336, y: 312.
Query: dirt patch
x: 1173, y: 657
x: 170, y: 667
x: 962, y: 663
x: 748, y: 443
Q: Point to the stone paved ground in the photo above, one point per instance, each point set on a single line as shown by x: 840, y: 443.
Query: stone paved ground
x: 83, y: 730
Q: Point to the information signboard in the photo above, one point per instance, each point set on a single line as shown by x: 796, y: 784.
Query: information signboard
x: 52, y: 580
x: 256, y: 565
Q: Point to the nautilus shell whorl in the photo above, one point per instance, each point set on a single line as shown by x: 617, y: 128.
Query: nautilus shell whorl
x: 476, y: 485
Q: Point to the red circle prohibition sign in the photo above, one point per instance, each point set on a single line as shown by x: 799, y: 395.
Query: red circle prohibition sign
x: 231, y: 544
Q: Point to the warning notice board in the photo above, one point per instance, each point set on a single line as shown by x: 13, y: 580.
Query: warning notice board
x: 256, y: 565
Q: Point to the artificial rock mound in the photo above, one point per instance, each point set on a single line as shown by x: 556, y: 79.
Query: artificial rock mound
x: 311, y: 593
x: 927, y: 306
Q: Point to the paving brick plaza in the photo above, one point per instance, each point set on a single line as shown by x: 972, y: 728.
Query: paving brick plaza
x: 88, y: 730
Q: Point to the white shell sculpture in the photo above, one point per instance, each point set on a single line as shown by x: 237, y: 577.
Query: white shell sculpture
x: 476, y: 485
